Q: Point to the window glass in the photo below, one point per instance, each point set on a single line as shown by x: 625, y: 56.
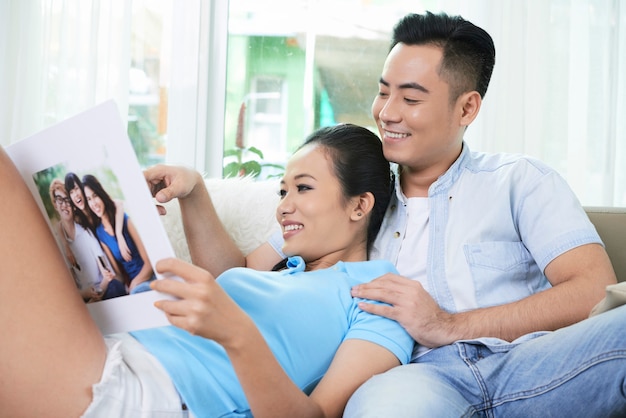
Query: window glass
x: 147, y: 100
x: 299, y: 65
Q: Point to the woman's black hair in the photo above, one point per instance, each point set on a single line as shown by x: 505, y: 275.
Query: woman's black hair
x: 360, y: 165
x: 109, y: 205
x: 72, y: 180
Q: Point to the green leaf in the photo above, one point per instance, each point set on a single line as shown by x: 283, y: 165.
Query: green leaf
x: 251, y: 168
x: 232, y: 169
x: 256, y: 151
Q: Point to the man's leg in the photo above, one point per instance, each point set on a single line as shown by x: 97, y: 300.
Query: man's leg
x: 417, y: 390
x: 577, y: 371
x: 51, y: 351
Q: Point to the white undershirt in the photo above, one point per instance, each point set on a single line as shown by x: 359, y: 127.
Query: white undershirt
x: 414, y: 250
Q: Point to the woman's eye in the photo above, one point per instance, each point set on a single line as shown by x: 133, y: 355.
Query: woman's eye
x: 303, y: 188
x: 282, y: 193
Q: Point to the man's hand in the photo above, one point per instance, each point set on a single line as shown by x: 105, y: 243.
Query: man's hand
x: 411, y: 306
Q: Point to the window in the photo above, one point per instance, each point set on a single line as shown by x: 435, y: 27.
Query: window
x: 268, y: 113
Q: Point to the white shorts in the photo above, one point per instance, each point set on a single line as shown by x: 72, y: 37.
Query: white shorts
x: 134, y: 384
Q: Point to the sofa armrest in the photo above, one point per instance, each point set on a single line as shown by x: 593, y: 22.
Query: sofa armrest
x: 610, y: 223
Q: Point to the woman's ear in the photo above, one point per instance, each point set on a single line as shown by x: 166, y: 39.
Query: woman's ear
x: 363, y: 205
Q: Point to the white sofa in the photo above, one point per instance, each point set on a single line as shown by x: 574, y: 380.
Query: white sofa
x: 245, y: 207
x: 247, y: 210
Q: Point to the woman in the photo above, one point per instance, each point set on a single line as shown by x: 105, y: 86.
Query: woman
x: 137, y: 269
x: 248, y: 343
x: 86, y: 218
x: 83, y: 251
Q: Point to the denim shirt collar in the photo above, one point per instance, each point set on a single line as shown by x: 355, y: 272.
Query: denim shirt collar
x: 444, y: 182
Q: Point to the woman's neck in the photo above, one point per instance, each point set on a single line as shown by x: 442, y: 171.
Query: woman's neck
x: 107, y: 225
x: 329, y: 260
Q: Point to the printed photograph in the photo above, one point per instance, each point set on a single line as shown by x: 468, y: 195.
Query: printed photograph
x: 95, y: 231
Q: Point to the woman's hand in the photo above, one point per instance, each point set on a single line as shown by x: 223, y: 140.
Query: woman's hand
x: 202, y: 308
x: 171, y: 182
x: 124, y: 250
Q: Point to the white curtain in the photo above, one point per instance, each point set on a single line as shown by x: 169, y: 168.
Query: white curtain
x: 558, y: 91
x: 58, y: 58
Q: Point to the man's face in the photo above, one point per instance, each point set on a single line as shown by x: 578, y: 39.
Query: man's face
x: 418, y: 124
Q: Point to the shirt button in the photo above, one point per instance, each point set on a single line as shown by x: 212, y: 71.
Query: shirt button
x: 396, y: 234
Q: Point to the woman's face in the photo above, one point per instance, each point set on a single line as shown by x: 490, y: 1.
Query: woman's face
x: 77, y: 197
x: 94, y: 201
x: 63, y: 205
x: 313, y: 214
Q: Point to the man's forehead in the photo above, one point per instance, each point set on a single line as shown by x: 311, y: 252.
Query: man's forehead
x: 411, y: 66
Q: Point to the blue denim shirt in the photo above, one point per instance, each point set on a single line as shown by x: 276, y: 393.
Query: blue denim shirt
x: 495, y: 222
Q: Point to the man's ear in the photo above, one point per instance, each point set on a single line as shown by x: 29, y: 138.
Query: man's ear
x: 470, y: 106
x: 363, y: 204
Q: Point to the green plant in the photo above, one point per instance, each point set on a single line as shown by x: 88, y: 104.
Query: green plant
x: 250, y: 167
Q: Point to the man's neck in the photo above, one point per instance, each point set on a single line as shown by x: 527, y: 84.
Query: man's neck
x: 416, y: 181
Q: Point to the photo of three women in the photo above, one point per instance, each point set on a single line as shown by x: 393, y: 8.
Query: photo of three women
x: 99, y: 240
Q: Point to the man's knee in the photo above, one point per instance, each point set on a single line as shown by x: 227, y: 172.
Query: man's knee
x: 407, y: 391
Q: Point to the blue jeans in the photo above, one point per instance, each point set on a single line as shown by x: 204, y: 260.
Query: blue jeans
x: 143, y: 287
x: 577, y: 371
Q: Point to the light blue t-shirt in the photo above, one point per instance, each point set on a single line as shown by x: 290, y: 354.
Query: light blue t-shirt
x: 303, y: 316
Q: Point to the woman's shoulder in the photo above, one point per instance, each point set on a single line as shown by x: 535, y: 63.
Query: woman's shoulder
x: 370, y: 269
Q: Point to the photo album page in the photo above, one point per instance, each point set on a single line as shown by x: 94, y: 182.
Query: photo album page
x: 85, y: 177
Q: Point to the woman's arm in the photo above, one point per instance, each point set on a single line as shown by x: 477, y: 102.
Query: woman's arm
x: 210, y: 245
x: 119, y: 272
x: 146, y: 271
x: 203, y: 308
x: 119, y: 230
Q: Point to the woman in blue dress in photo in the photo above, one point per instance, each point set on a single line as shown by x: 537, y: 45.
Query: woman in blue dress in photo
x: 137, y: 268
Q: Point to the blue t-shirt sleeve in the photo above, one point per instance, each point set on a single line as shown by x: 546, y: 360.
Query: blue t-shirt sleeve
x: 377, y: 329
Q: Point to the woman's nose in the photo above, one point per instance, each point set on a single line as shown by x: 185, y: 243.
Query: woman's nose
x: 285, y: 206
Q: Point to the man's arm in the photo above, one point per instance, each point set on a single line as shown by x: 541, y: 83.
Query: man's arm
x: 579, y: 278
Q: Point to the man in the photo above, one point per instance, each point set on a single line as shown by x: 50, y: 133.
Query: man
x: 493, y: 250
x: 498, y: 247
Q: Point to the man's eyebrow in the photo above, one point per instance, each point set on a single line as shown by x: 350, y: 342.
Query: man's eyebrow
x: 412, y: 85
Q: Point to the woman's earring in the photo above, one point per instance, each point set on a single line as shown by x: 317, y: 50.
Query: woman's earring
x: 359, y: 214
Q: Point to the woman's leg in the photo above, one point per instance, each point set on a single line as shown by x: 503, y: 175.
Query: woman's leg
x: 51, y: 352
